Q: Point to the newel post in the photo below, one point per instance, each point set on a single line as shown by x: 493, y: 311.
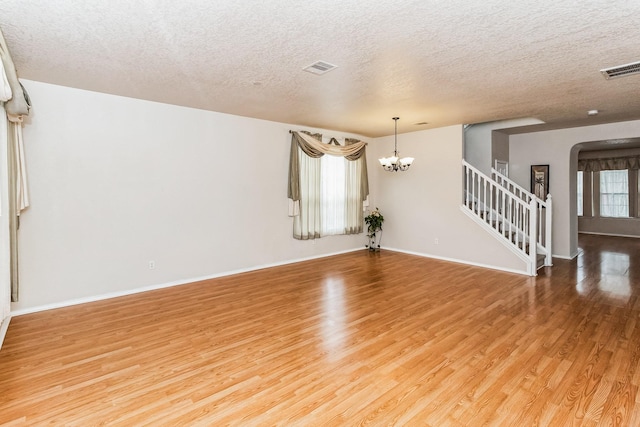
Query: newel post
x: 533, y: 237
x: 548, y: 260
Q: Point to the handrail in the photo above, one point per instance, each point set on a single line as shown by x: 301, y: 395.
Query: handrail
x: 514, y: 187
x: 511, y: 185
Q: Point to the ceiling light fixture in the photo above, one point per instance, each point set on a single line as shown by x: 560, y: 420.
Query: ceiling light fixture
x: 394, y: 163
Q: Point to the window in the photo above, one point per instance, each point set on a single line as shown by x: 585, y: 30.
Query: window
x: 614, y: 193
x: 580, y: 181
x: 328, y: 186
x: 333, y: 195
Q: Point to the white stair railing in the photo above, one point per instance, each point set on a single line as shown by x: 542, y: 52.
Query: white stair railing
x: 511, y: 185
x: 544, y: 213
x: 505, y: 213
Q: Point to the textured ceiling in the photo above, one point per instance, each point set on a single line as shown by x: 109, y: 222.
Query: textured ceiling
x: 444, y: 63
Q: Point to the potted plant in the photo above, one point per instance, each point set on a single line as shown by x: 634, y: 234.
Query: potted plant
x: 374, y: 229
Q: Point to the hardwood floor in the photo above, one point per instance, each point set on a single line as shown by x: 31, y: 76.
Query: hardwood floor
x: 363, y: 338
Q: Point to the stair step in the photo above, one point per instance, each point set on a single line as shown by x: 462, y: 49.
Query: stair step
x: 540, y: 260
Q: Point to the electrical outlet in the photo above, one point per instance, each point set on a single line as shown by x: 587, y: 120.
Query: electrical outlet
x: 436, y: 241
x: 152, y: 265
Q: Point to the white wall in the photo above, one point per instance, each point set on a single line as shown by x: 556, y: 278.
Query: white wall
x: 554, y: 148
x: 117, y: 182
x: 478, y: 142
x: 423, y: 203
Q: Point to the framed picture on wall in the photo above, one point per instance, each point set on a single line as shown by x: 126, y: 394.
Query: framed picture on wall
x: 540, y: 181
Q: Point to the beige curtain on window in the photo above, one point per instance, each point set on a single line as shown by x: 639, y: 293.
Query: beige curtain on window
x: 16, y: 107
x: 358, y: 191
x: 304, y: 188
x: 18, y: 196
x: 308, y: 223
x: 304, y: 192
x: 609, y: 164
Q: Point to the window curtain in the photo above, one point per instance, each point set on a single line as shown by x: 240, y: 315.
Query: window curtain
x: 16, y: 108
x: 18, y: 197
x: 357, y: 179
x: 305, y: 189
x: 305, y: 186
x: 609, y: 164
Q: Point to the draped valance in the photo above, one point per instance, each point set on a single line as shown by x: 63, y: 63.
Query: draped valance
x: 606, y: 164
x: 312, y: 147
x: 15, y: 97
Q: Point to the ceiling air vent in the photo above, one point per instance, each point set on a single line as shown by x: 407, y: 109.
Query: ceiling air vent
x: 320, y: 67
x: 621, y: 70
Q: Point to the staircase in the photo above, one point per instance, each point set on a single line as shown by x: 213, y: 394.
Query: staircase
x: 516, y: 217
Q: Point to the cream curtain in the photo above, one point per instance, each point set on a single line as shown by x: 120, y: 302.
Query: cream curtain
x: 307, y: 224
x: 5, y: 264
x: 5, y: 88
x: 18, y: 196
x: 12, y: 210
x: 357, y: 180
x: 15, y: 108
x: 314, y: 183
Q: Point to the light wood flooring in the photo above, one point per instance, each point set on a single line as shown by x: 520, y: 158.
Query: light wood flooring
x: 357, y: 339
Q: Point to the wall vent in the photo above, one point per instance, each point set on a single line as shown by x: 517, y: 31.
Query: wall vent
x: 320, y: 67
x: 621, y: 70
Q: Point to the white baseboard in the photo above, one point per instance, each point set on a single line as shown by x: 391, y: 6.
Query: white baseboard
x: 458, y: 261
x: 109, y: 295
x: 3, y: 329
x: 570, y: 257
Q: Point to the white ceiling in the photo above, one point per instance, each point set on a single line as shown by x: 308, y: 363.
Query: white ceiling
x: 441, y: 62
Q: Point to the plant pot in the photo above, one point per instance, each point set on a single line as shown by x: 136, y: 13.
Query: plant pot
x: 374, y: 240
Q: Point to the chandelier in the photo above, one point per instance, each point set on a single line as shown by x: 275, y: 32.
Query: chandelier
x: 394, y: 163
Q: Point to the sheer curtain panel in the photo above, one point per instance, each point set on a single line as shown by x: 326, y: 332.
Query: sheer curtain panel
x: 580, y: 192
x: 614, y: 193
